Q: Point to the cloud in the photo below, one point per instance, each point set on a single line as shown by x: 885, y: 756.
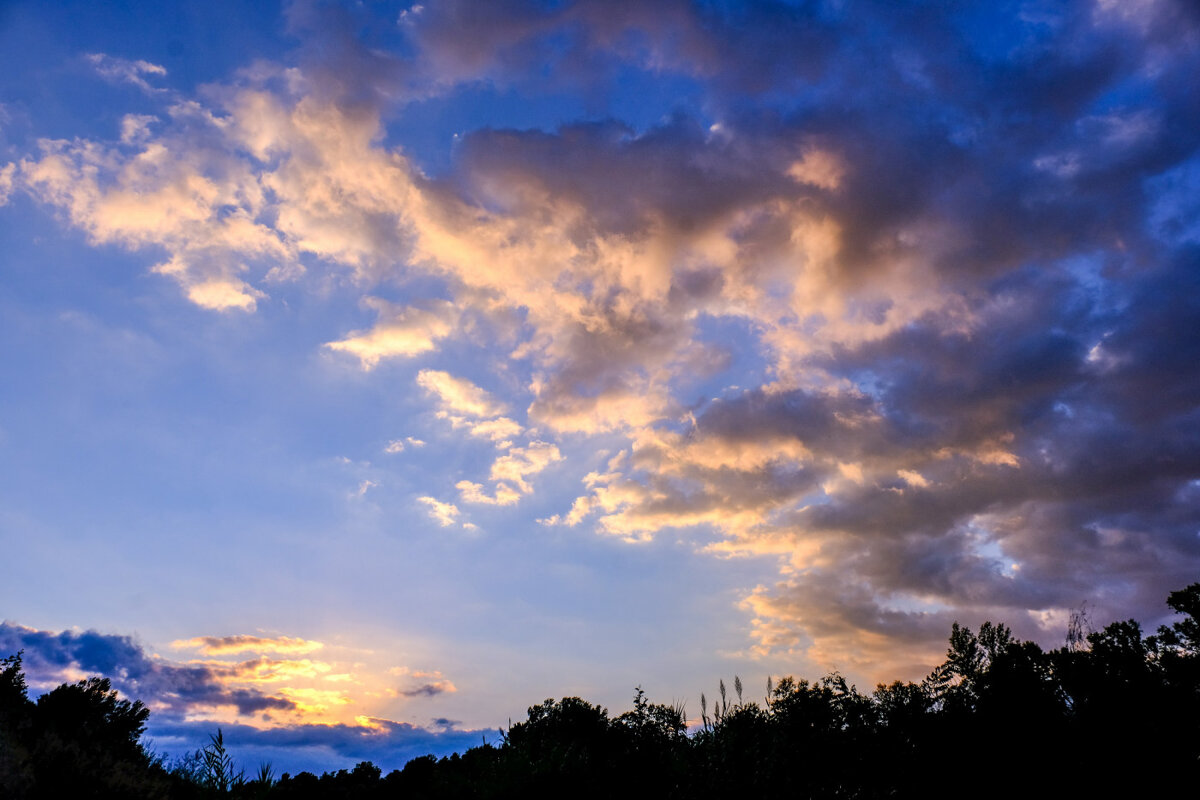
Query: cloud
x: 400, y: 332
x: 498, y: 429
x: 947, y: 287
x: 504, y: 495
x: 444, y: 514
x: 429, y: 689
x: 241, y: 643
x: 521, y: 462
x: 847, y: 628
x: 136, y: 127
x: 197, y: 203
x: 125, y: 71
x: 459, y: 395
x: 186, y: 700
x: 299, y: 713
x: 6, y: 182
x: 215, y: 294
x: 423, y: 683
x: 295, y: 748
x: 398, y: 445
x: 269, y: 670
x: 750, y: 49
x: 171, y: 689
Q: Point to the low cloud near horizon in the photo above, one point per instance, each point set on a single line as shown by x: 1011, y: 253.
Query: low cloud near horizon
x: 277, y: 714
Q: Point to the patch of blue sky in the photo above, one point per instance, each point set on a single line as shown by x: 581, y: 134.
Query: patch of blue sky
x: 1174, y: 211
x: 1135, y: 91
x: 644, y: 98
x: 996, y: 32
x: 46, y: 77
x: 739, y: 362
x: 1095, y: 287
x: 985, y: 544
x: 992, y: 552
x: 559, y: 585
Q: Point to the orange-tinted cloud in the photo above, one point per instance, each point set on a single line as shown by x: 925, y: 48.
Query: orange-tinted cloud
x: 242, y: 643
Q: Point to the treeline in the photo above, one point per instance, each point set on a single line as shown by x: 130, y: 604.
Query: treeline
x: 1110, y: 713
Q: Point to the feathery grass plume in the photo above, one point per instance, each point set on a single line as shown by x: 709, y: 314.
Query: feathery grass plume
x: 218, y: 770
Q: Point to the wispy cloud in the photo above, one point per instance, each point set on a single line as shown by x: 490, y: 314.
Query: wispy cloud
x: 444, y: 514
x: 6, y: 181
x: 126, y: 71
x: 242, y: 643
x: 503, y: 495
x: 400, y: 332
x: 429, y: 689
x: 399, y: 445
x: 459, y: 395
x: 136, y: 127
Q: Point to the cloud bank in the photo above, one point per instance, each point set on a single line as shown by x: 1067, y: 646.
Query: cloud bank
x: 266, y: 708
x: 906, y: 302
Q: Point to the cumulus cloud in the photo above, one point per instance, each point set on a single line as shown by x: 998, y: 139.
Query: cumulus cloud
x: 198, y: 204
x: 951, y: 283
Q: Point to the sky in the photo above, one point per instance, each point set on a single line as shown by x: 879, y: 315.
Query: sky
x: 370, y: 372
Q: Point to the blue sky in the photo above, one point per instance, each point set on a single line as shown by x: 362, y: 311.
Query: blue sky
x: 373, y: 371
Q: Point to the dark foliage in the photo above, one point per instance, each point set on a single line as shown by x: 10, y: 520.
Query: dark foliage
x: 1112, y: 713
x: 77, y: 741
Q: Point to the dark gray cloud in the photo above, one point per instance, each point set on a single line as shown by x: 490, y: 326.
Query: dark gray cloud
x: 425, y: 690
x: 180, y: 687
x: 755, y: 47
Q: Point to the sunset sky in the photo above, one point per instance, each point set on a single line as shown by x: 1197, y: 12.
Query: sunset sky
x: 372, y: 371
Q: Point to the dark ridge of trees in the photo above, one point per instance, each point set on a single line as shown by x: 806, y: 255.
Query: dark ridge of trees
x: 1112, y: 713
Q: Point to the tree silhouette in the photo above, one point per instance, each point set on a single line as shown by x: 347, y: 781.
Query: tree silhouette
x: 16, y: 719
x: 1112, y: 713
